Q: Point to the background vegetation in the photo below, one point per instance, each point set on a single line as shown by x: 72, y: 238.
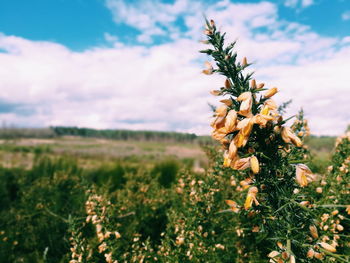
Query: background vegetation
x: 158, y: 191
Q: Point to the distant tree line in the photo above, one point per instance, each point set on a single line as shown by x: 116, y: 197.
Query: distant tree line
x: 125, y: 134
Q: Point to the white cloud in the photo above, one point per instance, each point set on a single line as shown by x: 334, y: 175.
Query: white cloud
x: 151, y: 18
x: 346, y: 15
x: 160, y: 87
x: 298, y: 3
x: 110, y: 38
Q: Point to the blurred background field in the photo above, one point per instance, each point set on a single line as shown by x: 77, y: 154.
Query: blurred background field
x: 91, y: 148
x: 45, y: 173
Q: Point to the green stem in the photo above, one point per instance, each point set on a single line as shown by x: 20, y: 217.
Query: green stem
x: 333, y: 255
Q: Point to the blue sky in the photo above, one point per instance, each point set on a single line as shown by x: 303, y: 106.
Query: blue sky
x: 81, y: 24
x: 64, y: 58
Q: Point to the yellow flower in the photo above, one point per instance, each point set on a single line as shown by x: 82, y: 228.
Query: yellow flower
x: 288, y: 136
x: 251, y: 197
x: 246, y: 183
x: 328, y: 247
x: 313, y: 231
x: 218, y: 122
x: 246, y: 105
x: 230, y: 122
x: 348, y: 209
x: 310, y: 253
x: 209, y: 68
x: 227, y: 160
x: 221, y: 111
x: 241, y: 164
x: 227, y: 102
x: 179, y: 240
x: 219, y: 134
x: 303, y: 175
x: 254, y: 164
x: 262, y: 119
x: 245, y: 126
x: 270, y: 92
x: 233, y: 205
x: 232, y: 151
x: 271, y: 104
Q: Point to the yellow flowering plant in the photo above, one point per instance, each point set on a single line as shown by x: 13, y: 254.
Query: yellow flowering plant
x: 266, y: 156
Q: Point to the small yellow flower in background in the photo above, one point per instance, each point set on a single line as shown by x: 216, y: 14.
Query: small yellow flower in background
x: 340, y: 228
x: 179, y: 240
x: 251, y: 197
x: 313, y: 231
x: 270, y: 92
x: 275, y: 257
x: 246, y: 183
x: 227, y: 160
x: 310, y: 253
x: 288, y: 136
x: 220, y: 246
x: 328, y: 247
x: 319, y: 190
x: 304, y: 176
x: 233, y: 205
x: 348, y: 209
x: 209, y: 68
x: 254, y: 165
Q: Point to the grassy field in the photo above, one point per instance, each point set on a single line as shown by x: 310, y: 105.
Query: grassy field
x: 44, y: 184
x: 91, y: 152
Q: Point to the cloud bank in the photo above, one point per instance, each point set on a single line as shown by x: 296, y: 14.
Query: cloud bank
x: 158, y: 86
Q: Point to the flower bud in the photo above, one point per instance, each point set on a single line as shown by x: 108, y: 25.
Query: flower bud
x: 209, y: 68
x: 270, y: 92
x: 227, y: 84
x: 253, y: 84
x: 254, y: 164
x: 244, y: 62
x: 313, y: 231
x: 215, y: 92
x: 310, y: 253
x: 328, y: 247
x: 261, y: 85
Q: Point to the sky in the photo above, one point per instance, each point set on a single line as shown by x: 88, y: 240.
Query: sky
x: 121, y: 64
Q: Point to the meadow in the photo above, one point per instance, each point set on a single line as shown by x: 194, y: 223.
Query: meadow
x: 44, y: 184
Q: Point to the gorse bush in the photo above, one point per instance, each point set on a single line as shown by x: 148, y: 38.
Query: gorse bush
x: 278, y: 216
